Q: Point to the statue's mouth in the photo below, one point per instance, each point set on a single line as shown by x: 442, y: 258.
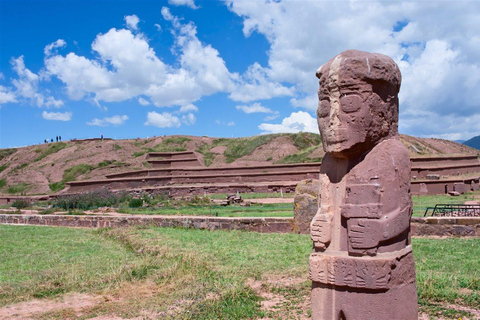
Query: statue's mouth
x: 334, y: 137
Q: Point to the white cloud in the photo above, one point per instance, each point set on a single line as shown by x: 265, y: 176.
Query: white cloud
x: 132, y: 22
x: 143, y: 102
x: 60, y: 43
x: 224, y: 123
x: 189, y: 119
x: 256, y: 84
x: 128, y: 67
x: 254, y: 108
x: 135, y: 66
x: 27, y: 86
x: 188, y: 108
x: 162, y: 120
x: 188, y: 3
x: 59, y: 116
x: 159, y: 27
x: 273, y: 116
x: 258, y: 108
x: 166, y: 14
x: 115, y: 121
x: 309, y: 102
x: 6, y: 95
x: 439, y: 61
x: 296, y: 122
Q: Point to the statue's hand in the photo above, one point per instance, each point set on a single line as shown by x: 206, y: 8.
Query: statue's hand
x: 321, y: 230
x: 364, y: 233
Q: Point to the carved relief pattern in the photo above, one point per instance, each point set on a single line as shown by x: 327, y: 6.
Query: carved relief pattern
x: 363, y: 201
x: 351, y: 271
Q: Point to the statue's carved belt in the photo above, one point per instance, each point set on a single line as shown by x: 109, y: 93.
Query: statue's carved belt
x: 355, y: 272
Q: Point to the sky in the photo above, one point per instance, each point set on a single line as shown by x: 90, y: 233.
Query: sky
x: 231, y: 68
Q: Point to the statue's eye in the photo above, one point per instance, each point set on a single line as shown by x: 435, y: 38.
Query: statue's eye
x: 350, y: 102
x: 324, y: 108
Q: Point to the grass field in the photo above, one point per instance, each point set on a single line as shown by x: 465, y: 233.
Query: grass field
x: 420, y: 203
x: 197, y: 274
x: 261, y: 210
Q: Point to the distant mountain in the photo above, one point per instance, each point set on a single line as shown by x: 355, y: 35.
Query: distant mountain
x: 474, y: 142
x: 459, y: 141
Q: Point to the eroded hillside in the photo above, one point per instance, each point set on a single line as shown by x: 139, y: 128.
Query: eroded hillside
x: 44, y: 169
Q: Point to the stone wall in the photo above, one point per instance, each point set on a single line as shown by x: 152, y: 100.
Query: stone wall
x: 464, y: 227
x: 267, y: 225
x: 446, y: 227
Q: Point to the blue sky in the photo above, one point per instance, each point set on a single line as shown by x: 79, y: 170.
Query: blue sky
x: 128, y: 69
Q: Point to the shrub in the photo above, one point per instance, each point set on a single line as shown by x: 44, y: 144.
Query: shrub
x: 3, y: 167
x: 52, y: 148
x: 304, y: 140
x: 18, y: 188
x: 88, y: 200
x: 208, y: 156
x: 57, y: 186
x: 20, y: 167
x: 172, y: 144
x: 300, y: 157
x: 3, y: 183
x: 135, y: 203
x: 21, y: 203
x: 116, y: 147
x: 6, y: 152
x: 139, y: 154
x: 176, y: 140
x: 110, y: 163
x: 240, y: 147
x: 72, y: 173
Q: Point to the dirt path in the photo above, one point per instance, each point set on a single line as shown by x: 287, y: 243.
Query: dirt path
x: 33, y: 308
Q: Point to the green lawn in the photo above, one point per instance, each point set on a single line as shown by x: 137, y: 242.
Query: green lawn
x: 255, y: 195
x: 260, y: 210
x: 207, y: 271
x: 421, y: 203
x: 45, y: 261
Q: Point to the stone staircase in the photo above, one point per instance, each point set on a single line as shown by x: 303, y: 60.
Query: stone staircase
x: 182, y: 173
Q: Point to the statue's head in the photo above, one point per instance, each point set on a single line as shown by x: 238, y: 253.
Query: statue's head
x: 358, y: 102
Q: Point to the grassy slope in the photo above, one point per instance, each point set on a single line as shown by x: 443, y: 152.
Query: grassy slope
x: 106, y: 157
x: 201, y: 274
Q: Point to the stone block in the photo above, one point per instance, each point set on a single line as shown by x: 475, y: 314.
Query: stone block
x: 305, y: 205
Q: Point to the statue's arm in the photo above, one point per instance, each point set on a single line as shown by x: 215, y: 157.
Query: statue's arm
x: 378, y: 206
x: 368, y: 233
x: 321, y: 229
x: 321, y: 225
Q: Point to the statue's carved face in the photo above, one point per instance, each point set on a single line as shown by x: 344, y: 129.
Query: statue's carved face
x: 353, y: 114
x: 343, y: 115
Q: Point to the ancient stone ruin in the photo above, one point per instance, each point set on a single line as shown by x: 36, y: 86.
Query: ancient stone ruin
x: 362, y: 264
x: 305, y: 205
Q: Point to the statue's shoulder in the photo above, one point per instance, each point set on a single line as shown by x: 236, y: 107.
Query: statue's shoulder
x: 391, y: 148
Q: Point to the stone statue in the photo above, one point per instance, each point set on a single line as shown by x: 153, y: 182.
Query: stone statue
x: 362, y: 264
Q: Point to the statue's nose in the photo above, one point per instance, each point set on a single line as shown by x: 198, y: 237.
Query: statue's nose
x: 334, y: 113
